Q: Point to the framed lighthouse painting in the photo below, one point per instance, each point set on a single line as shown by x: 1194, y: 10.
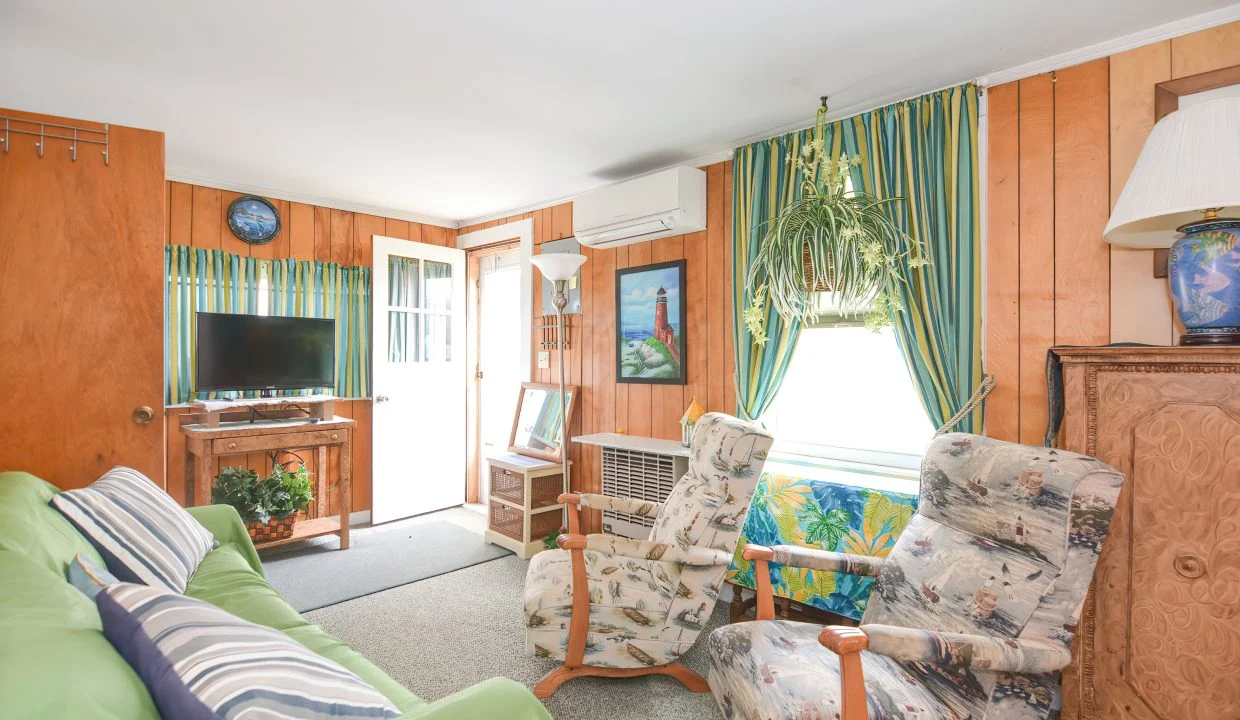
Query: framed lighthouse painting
x: 650, y: 324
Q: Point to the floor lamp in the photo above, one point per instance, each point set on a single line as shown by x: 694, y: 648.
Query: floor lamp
x: 559, y: 268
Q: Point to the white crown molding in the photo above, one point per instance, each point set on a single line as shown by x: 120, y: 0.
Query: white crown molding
x: 531, y: 207
x: 179, y: 174
x: 1155, y: 34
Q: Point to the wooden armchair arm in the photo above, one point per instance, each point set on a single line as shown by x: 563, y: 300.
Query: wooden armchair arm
x: 799, y: 557
x: 848, y: 642
x: 645, y: 550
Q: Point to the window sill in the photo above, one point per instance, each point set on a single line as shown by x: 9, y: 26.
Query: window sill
x: 870, y: 477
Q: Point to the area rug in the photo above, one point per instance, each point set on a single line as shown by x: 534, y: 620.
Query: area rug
x: 442, y: 635
x: 378, y: 559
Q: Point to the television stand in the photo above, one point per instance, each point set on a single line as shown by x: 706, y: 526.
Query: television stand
x: 281, y: 429
x: 317, y: 407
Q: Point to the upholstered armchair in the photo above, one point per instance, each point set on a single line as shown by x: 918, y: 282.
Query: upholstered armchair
x: 617, y: 607
x: 973, y: 612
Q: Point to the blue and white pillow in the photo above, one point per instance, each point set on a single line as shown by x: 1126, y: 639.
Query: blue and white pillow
x: 140, y: 531
x: 201, y: 663
x: 89, y: 577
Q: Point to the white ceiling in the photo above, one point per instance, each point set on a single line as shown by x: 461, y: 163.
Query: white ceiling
x: 461, y: 108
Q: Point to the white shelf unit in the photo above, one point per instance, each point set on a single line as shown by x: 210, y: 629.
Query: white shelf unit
x: 524, y: 509
x: 640, y: 468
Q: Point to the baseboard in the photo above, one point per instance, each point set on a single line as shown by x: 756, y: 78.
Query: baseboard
x: 361, y: 517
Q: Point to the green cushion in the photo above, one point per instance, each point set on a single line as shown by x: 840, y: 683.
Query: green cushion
x: 231, y: 579
x: 31, y: 527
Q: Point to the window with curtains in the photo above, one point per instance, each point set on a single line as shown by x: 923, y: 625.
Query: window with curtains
x: 847, y: 395
x: 218, y: 281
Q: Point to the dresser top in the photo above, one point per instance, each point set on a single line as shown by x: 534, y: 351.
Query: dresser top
x: 1150, y: 354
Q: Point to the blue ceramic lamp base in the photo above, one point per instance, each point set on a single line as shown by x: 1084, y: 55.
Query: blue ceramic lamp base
x: 1204, y: 269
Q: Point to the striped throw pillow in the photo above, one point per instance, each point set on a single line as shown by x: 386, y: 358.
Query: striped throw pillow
x: 140, y: 531
x: 201, y: 663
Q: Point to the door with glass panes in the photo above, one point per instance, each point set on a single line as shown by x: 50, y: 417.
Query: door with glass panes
x: 419, y: 382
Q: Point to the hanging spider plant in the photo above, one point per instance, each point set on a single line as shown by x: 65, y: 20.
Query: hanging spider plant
x: 832, y: 245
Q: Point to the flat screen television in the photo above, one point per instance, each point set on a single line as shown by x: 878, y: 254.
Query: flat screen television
x: 255, y: 352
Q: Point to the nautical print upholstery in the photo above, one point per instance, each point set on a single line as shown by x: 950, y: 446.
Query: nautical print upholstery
x: 976, y: 605
x: 649, y: 599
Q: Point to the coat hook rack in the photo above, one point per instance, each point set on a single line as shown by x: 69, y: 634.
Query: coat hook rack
x: 51, y: 131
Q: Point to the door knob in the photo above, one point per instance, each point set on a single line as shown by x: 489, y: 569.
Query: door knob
x: 382, y: 398
x: 143, y: 414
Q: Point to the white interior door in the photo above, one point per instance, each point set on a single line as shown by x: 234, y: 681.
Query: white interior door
x: 419, y: 378
x: 499, y: 334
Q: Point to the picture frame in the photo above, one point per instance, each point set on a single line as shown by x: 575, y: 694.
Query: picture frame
x: 544, y: 401
x: 253, y: 219
x: 650, y: 321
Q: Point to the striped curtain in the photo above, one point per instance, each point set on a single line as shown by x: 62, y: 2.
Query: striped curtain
x: 765, y: 180
x: 218, y: 281
x: 924, y: 150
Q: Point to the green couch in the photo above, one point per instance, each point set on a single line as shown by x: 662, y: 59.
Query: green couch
x: 55, y: 661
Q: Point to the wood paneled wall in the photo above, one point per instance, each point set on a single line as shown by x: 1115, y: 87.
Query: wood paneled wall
x: 1060, y: 147
x: 648, y: 410
x: 196, y: 217
x: 1047, y: 266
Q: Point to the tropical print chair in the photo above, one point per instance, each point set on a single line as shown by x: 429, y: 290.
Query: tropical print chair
x: 618, y: 607
x: 973, y: 612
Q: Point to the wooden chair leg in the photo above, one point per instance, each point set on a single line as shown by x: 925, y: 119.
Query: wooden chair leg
x: 557, y: 677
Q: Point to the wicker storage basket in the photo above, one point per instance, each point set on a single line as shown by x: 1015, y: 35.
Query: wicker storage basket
x: 509, y: 521
x: 273, y: 529
x: 511, y: 487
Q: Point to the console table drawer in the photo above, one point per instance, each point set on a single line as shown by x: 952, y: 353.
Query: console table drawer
x: 239, y: 445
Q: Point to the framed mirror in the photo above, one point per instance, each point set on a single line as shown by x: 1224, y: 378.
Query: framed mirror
x: 536, y: 427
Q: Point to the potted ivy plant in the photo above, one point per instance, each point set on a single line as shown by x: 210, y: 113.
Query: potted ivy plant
x: 831, y: 240
x: 269, y: 506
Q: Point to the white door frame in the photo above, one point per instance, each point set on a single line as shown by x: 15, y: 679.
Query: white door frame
x: 523, y: 230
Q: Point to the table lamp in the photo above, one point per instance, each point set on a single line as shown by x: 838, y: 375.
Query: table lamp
x: 559, y: 268
x: 1184, y: 193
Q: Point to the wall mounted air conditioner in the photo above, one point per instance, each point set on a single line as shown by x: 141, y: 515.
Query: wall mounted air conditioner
x: 669, y: 202
x: 640, y: 475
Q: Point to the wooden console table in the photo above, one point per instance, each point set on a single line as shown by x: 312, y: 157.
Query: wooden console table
x: 235, y: 434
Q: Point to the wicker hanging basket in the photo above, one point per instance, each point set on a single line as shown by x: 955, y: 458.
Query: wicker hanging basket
x: 807, y: 269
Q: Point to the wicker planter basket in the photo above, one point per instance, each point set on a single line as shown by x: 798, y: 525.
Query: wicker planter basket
x: 273, y: 529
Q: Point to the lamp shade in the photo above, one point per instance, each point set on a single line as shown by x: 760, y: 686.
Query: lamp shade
x: 558, y: 266
x: 1190, y: 163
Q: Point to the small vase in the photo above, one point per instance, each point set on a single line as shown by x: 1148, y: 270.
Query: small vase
x: 1204, y: 270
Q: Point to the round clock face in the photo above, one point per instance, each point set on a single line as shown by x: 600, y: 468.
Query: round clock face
x: 253, y: 219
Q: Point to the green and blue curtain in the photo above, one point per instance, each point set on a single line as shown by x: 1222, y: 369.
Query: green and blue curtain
x: 217, y: 281
x: 764, y: 180
x: 923, y: 151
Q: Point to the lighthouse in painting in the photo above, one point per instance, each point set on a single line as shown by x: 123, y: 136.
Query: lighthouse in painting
x: 663, y: 331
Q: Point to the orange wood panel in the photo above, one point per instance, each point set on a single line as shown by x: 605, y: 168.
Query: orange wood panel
x: 1003, y: 262
x: 1205, y: 50
x: 1140, y: 303
x: 415, y: 232
x: 718, y: 298
x: 603, y: 341
x: 697, y: 348
x: 622, y: 389
x: 362, y: 464
x: 205, y: 224
x: 1037, y: 249
x: 180, y: 213
x: 365, y: 228
x: 81, y: 287
x: 398, y: 229
x: 640, y: 421
x: 341, y: 237
x: 174, y: 451
x: 282, y: 245
x: 562, y: 221
x: 301, y: 231
x: 1082, y: 205
x: 667, y: 402
x: 322, y: 234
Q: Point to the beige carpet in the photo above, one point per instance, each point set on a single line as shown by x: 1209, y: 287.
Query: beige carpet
x: 443, y: 634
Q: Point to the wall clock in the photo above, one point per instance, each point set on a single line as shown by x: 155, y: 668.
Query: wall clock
x: 253, y: 219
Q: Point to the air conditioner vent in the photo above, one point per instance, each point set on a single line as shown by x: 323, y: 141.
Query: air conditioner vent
x: 639, y: 475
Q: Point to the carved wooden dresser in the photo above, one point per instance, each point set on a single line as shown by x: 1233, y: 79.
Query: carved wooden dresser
x: 1159, y: 637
